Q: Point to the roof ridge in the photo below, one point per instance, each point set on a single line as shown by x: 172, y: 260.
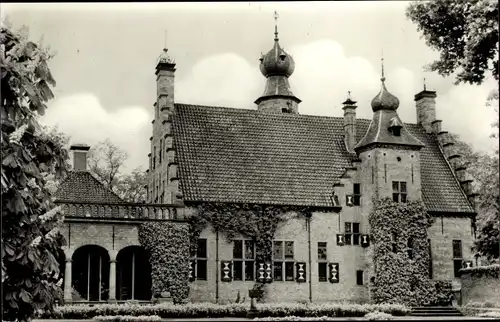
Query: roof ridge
x: 288, y: 114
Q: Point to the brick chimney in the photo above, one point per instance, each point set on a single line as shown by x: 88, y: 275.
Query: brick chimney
x: 79, y: 156
x: 426, y: 111
x: 349, y: 123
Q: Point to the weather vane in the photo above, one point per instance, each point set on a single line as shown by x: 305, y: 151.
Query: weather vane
x: 276, y: 16
x: 382, y: 61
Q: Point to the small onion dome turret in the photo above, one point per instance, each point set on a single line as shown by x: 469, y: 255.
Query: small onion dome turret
x: 277, y: 61
x: 384, y: 100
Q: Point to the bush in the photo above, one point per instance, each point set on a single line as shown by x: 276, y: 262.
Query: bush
x: 489, y: 270
x: 127, y: 318
x: 198, y: 310
x: 490, y: 314
x: 444, y: 294
x: 167, y: 245
x: 376, y: 315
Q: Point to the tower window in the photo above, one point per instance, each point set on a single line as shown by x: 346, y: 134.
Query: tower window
x: 359, y: 277
x: 399, y: 191
x: 396, y: 131
x: 285, y: 110
x: 356, y: 196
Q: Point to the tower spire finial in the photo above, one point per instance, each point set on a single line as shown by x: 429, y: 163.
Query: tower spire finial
x: 382, y: 62
x: 424, y: 85
x: 165, y: 42
x: 276, y: 16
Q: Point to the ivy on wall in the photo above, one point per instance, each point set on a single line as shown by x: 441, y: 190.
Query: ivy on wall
x: 257, y: 222
x: 399, y: 278
x: 167, y: 244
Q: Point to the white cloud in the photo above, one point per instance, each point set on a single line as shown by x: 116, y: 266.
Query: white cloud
x: 322, y: 77
x: 85, y: 120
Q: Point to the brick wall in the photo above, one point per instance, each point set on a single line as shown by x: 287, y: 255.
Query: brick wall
x: 324, y: 227
x: 100, y: 234
x: 442, y: 233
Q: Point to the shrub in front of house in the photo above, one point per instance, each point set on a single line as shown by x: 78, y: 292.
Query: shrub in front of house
x: 127, y: 318
x: 376, y: 316
x: 197, y: 310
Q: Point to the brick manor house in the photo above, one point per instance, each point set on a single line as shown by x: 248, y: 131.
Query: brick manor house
x: 270, y: 155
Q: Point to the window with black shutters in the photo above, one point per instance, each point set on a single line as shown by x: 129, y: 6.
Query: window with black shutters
x: 348, y: 233
x: 457, y: 257
x: 322, y: 262
x: 356, y: 195
x: 355, y: 233
x: 243, y: 260
x: 359, y: 277
x: 351, y: 233
x: 399, y: 192
x: 283, y: 261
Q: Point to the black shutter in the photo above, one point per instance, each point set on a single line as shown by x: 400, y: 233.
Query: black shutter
x: 340, y: 239
x: 301, y: 273
x: 365, y: 240
x: 334, y: 272
x: 467, y: 264
x: 261, y: 272
x: 226, y: 271
x: 192, y: 271
x: 269, y: 272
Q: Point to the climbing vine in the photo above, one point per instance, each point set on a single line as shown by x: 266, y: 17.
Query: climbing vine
x: 254, y: 221
x: 401, y: 253
x: 167, y: 244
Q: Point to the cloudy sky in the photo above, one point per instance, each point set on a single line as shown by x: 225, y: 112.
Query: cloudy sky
x: 106, y: 54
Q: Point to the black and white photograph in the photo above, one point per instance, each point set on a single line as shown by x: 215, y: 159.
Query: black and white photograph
x: 239, y: 161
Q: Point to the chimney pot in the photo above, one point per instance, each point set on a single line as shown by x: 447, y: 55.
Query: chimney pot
x: 426, y: 110
x: 79, y: 156
x: 350, y: 124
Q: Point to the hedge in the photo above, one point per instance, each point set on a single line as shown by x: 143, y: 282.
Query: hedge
x: 127, y: 318
x: 198, y: 310
x: 489, y: 270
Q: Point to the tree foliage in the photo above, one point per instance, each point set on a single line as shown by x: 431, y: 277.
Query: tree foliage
x: 105, y: 160
x: 464, y: 32
x: 131, y: 187
x: 32, y: 162
x: 483, y: 168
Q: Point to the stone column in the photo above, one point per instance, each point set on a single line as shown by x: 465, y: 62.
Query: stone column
x: 68, y: 297
x: 112, y: 276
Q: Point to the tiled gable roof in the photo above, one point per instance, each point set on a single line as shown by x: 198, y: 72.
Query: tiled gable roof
x: 246, y: 156
x: 81, y: 186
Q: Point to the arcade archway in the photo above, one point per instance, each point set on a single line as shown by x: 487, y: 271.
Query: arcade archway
x: 133, y: 274
x: 90, y: 273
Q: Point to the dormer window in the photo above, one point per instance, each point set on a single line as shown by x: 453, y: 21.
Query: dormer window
x: 395, y: 126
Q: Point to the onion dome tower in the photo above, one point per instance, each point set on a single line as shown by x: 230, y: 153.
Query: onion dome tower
x: 277, y: 66
x: 386, y: 128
